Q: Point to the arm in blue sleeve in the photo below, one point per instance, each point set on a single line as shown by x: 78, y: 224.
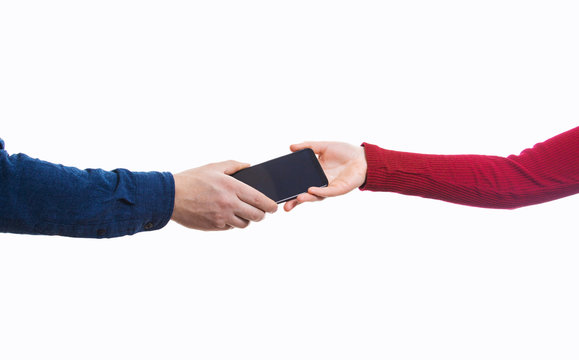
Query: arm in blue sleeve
x: 38, y: 197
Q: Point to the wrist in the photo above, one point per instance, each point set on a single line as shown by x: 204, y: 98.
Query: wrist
x: 177, y: 182
x: 362, y: 165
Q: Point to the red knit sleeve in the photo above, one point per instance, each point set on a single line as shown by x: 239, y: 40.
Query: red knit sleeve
x: 548, y: 171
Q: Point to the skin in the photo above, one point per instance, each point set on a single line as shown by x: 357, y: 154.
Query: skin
x: 344, y: 165
x: 207, y: 198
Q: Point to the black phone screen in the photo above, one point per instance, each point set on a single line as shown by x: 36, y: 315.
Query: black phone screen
x: 286, y: 177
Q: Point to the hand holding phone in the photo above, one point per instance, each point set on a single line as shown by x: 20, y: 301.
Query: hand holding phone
x: 286, y: 177
x: 344, y: 164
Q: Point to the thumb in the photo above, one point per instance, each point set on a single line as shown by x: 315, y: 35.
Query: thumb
x: 317, y: 146
x: 231, y: 166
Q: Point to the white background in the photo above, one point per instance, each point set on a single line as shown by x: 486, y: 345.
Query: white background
x: 170, y: 85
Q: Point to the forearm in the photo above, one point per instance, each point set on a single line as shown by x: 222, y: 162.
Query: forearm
x: 548, y: 171
x: 38, y: 197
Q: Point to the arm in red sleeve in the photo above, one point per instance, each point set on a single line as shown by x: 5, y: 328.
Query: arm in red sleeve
x: 547, y: 171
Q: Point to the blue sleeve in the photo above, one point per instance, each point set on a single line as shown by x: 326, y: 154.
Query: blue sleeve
x: 38, y: 197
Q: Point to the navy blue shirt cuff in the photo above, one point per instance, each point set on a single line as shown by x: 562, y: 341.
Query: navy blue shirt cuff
x: 154, y: 199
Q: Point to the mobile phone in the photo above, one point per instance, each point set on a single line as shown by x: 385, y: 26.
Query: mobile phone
x: 284, y: 178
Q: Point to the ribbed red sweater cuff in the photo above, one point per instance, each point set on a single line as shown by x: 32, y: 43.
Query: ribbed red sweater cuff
x: 377, y: 162
x: 395, y: 171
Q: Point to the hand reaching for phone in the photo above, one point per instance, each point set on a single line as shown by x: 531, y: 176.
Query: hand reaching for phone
x: 207, y: 198
x: 345, y: 167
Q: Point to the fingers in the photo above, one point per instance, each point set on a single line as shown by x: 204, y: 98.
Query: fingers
x: 246, y: 193
x: 289, y: 205
x: 302, y: 198
x: 314, y: 194
x: 307, y: 197
x: 256, y: 199
x: 237, y: 222
x: 248, y: 212
x: 330, y: 191
x: 317, y: 146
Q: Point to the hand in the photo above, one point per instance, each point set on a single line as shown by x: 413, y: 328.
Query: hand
x: 207, y: 198
x: 345, y: 167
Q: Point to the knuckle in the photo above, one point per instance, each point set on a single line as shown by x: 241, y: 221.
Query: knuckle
x: 218, y: 221
x: 223, y: 201
x: 227, y: 183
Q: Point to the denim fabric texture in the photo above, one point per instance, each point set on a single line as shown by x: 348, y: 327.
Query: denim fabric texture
x: 39, y: 197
